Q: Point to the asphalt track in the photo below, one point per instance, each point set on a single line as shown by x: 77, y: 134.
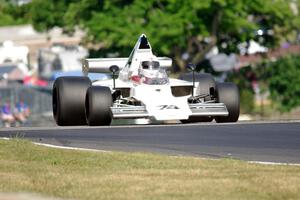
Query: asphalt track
x: 254, y: 141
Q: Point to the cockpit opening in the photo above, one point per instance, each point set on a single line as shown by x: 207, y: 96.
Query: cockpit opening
x: 150, y: 73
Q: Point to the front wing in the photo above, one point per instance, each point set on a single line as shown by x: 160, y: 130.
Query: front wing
x: 123, y: 111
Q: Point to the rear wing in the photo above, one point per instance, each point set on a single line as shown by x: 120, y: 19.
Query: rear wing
x: 101, y: 65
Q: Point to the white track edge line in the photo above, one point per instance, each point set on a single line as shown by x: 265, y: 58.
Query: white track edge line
x: 62, y: 147
x: 69, y: 148
x: 273, y: 163
x: 104, y: 151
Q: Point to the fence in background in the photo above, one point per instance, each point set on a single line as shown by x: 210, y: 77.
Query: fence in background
x: 39, y: 101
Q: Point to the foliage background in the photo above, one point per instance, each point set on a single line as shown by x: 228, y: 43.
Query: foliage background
x: 182, y: 29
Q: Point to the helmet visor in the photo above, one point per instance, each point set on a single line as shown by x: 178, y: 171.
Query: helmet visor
x: 150, y: 64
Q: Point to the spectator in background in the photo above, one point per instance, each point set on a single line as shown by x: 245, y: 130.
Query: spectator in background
x: 7, y: 115
x: 22, y: 112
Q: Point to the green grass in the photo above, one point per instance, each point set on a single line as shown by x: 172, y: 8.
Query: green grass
x: 25, y: 167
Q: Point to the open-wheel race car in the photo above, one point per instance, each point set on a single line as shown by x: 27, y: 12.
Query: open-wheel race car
x: 141, y: 90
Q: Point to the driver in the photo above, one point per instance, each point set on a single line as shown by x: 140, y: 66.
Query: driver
x: 147, y: 70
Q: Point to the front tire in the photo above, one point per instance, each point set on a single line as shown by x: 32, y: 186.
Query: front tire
x: 206, y: 83
x: 68, y: 100
x: 97, y: 105
x: 228, y: 93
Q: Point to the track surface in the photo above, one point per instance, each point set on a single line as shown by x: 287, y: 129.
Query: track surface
x: 267, y: 142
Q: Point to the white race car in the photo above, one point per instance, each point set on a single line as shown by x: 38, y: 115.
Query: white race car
x: 142, y: 90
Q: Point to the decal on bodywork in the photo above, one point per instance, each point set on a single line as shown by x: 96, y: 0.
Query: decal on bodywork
x: 167, y: 107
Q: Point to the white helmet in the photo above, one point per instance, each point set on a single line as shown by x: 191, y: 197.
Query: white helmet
x: 149, y: 69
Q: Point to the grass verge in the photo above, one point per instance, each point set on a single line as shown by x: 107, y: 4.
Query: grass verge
x: 25, y: 167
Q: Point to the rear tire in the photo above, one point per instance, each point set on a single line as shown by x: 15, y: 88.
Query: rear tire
x: 68, y: 100
x: 97, y: 105
x: 228, y: 93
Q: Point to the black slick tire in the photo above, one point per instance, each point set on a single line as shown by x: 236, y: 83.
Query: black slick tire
x: 205, y: 83
x: 228, y: 93
x: 68, y: 100
x: 97, y: 104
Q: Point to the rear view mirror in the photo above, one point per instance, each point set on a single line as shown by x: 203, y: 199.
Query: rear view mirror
x: 114, y: 69
x: 191, y: 66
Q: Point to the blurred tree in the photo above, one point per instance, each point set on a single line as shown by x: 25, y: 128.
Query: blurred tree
x: 80, y: 12
x: 11, y: 14
x: 183, y: 29
x: 50, y: 13
x: 284, y: 82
